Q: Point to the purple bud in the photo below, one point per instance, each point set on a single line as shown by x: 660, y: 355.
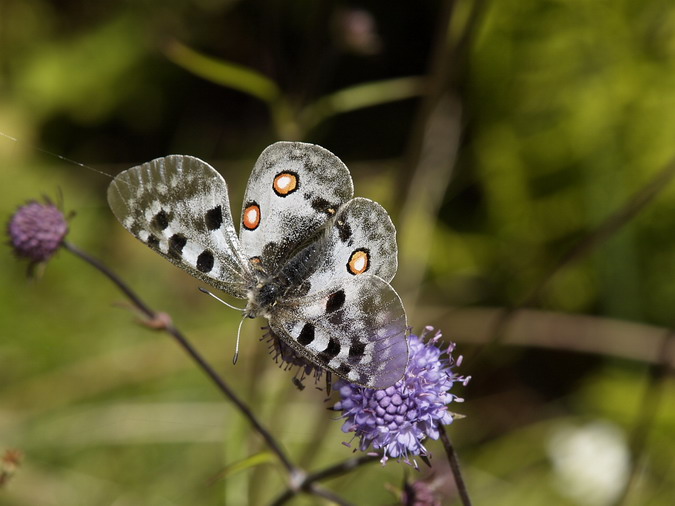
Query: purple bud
x: 37, y: 230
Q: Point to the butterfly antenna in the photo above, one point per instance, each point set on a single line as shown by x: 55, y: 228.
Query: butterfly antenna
x: 204, y: 290
x: 68, y: 160
x: 236, y: 346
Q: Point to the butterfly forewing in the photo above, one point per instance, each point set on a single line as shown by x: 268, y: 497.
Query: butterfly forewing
x: 357, y: 330
x: 294, y: 189
x: 178, y: 205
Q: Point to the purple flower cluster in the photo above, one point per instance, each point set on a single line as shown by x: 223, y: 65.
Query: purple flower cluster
x: 37, y: 230
x: 399, y: 418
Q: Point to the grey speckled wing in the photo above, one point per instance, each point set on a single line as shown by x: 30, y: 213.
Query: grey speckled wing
x: 360, y: 239
x: 178, y: 205
x: 357, y: 330
x: 311, y: 259
x: 294, y: 189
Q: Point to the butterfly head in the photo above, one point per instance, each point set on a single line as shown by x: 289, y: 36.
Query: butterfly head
x: 262, y: 298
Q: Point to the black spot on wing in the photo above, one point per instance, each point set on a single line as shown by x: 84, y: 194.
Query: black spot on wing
x: 322, y: 205
x: 335, y: 301
x: 160, y: 220
x: 344, y: 369
x: 344, y: 230
x: 153, y: 241
x: 306, y: 334
x: 214, y: 218
x: 205, y: 261
x: 331, y: 351
x: 176, y: 244
x: 356, y: 351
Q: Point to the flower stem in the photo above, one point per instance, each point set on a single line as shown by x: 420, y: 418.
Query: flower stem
x: 309, y: 484
x: 313, y: 489
x: 341, y: 468
x: 135, y: 300
x: 454, y: 466
x: 327, y: 494
x: 191, y: 351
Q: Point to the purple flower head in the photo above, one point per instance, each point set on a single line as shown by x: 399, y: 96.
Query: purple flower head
x: 397, y: 419
x: 37, y: 230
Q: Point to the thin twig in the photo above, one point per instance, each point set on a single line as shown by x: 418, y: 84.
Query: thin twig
x: 285, y: 496
x: 313, y: 489
x: 611, y: 225
x: 309, y: 483
x: 454, y: 466
x: 194, y: 354
x: 341, y: 468
x: 327, y: 494
x: 135, y: 300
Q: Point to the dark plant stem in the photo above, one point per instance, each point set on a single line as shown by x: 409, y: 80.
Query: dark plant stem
x: 135, y: 300
x: 341, y: 468
x: 327, y: 494
x: 192, y: 352
x: 309, y: 483
x: 314, y: 489
x: 454, y: 466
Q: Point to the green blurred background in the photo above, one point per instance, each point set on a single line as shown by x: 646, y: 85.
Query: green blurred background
x: 524, y: 150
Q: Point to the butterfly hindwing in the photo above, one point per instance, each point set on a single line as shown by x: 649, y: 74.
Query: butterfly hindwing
x: 178, y: 205
x: 360, y: 239
x: 351, y: 320
x: 293, y: 190
x: 355, y: 329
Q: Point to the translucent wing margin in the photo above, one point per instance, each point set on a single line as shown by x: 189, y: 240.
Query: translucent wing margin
x: 179, y: 206
x: 358, y: 330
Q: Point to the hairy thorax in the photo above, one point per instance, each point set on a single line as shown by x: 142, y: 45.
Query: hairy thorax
x: 263, y: 297
x: 290, y: 279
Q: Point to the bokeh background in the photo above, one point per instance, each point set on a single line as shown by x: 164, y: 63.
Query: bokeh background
x: 524, y: 149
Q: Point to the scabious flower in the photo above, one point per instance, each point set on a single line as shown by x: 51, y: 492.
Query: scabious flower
x: 397, y: 419
x: 37, y: 230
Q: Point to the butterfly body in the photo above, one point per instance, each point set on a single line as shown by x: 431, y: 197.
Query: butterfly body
x: 312, y: 260
x: 269, y: 290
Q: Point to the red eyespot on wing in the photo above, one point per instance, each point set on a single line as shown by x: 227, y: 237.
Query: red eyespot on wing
x: 359, y: 261
x: 251, y: 218
x: 285, y: 183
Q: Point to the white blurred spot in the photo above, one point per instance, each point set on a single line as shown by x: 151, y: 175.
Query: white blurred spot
x: 591, y: 462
